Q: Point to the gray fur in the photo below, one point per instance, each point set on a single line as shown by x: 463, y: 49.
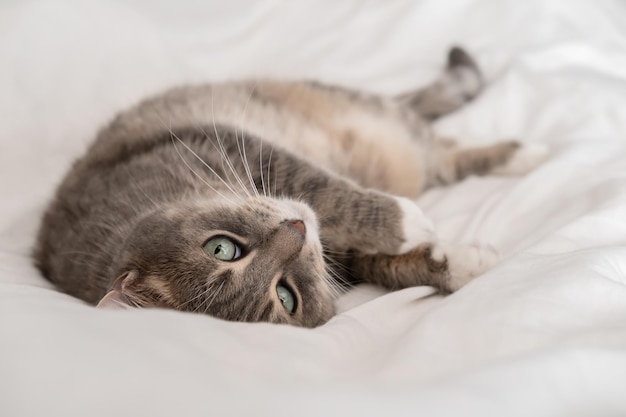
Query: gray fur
x: 134, y: 212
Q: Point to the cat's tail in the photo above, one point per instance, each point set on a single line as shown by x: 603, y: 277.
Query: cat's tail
x: 460, y: 82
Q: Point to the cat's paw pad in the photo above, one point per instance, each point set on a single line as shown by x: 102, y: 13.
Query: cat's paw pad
x: 525, y: 158
x: 466, y: 262
x: 416, y: 226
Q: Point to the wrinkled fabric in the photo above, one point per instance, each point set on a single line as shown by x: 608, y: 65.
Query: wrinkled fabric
x: 542, y: 334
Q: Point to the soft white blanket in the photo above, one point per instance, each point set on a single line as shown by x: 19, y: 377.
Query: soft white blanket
x: 542, y: 334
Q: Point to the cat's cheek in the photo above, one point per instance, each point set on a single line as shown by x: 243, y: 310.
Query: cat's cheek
x: 416, y: 227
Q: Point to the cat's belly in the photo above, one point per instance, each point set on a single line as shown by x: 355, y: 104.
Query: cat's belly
x: 374, y: 152
x: 380, y: 152
x: 359, y: 137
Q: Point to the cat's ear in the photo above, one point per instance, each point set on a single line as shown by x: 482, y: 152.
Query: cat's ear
x: 132, y: 289
x: 121, y: 293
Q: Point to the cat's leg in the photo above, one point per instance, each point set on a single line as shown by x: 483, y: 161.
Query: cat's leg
x: 450, y: 163
x: 373, y: 229
x: 443, y: 266
x: 460, y: 82
x: 351, y: 217
x: 366, y: 224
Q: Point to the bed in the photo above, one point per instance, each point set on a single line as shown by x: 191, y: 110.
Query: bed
x: 542, y: 334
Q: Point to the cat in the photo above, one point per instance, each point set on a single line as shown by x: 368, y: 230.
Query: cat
x: 258, y: 200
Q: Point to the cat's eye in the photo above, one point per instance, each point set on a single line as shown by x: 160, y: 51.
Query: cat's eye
x: 286, y: 297
x: 222, y: 248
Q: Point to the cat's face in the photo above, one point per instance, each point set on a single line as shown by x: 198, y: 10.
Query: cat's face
x: 260, y: 260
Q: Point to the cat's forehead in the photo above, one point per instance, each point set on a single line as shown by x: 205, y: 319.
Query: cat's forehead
x: 259, y: 213
x: 261, y: 208
x: 280, y: 208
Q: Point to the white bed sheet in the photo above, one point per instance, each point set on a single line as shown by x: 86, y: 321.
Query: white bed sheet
x: 544, y: 333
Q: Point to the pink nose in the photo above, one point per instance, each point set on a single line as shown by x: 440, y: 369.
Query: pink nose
x: 298, y: 225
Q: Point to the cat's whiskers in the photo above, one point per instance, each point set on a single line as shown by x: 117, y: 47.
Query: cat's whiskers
x: 340, y: 279
x: 334, y: 252
x: 335, y: 263
x: 337, y: 282
x: 135, y: 301
x: 139, y: 187
x: 222, y: 150
x: 261, y: 168
x: 203, y: 162
x: 198, y: 175
x: 200, y: 294
x: 173, y: 136
x: 238, y: 178
x: 242, y: 148
x: 269, y: 164
x: 335, y: 290
x: 225, y: 159
x: 210, y: 300
x: 246, y: 165
x: 275, y: 188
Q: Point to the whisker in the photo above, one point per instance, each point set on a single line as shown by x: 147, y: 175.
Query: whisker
x: 237, y: 175
x: 173, y: 135
x: 246, y: 166
x: 223, y: 150
x: 200, y: 294
x: 334, y: 252
x: 139, y: 187
x: 340, y: 279
x: 244, y: 158
x: 210, y: 300
x: 269, y: 164
x: 261, y: 167
x: 224, y: 158
x: 275, y: 188
x: 198, y: 175
x: 135, y: 303
x: 335, y: 290
x: 336, y: 275
x: 336, y: 264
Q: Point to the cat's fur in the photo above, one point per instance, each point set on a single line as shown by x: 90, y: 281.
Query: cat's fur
x: 310, y: 180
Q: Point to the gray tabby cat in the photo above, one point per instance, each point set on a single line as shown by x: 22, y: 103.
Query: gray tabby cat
x: 253, y: 201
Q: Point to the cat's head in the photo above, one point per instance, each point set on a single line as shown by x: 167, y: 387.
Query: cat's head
x: 260, y: 260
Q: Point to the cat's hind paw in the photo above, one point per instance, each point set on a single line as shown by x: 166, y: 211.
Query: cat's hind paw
x: 525, y: 158
x: 465, y: 262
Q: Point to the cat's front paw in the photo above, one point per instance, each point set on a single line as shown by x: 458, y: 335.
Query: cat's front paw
x: 465, y: 262
x: 416, y: 226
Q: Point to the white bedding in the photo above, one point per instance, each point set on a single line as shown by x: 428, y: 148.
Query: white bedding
x: 544, y: 333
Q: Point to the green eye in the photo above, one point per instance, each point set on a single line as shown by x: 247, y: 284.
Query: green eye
x: 223, y: 249
x: 286, y: 298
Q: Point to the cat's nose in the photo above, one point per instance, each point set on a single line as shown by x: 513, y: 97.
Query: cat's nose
x: 297, y: 225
